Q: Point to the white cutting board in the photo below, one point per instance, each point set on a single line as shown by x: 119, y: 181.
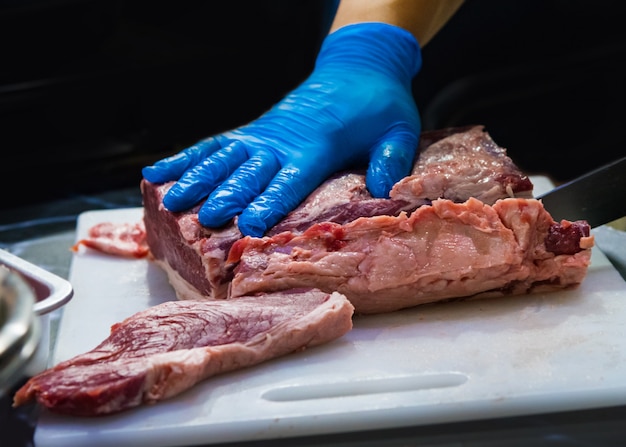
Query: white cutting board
x: 431, y: 364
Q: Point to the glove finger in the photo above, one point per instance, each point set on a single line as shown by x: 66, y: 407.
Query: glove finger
x: 232, y: 196
x: 172, y: 168
x: 391, y: 160
x: 199, y: 181
x: 286, y: 191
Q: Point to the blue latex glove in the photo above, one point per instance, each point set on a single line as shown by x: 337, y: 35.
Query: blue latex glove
x: 356, y: 106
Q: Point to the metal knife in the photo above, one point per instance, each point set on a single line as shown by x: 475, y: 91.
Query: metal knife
x: 599, y: 197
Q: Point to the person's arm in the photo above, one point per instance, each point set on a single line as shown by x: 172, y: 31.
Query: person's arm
x: 422, y: 18
x: 356, y: 109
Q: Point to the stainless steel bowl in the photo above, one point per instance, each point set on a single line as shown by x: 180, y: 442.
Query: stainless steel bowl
x: 28, y: 296
x: 20, y: 329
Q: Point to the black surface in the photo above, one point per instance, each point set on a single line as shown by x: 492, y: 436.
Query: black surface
x: 17, y: 426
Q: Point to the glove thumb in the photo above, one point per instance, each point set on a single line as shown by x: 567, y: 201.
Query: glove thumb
x: 391, y: 159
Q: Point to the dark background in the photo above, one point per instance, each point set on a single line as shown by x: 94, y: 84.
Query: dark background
x: 91, y: 90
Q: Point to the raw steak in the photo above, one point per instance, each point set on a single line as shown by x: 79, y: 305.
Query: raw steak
x: 454, y: 164
x: 164, y: 350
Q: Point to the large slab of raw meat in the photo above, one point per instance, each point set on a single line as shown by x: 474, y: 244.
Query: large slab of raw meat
x: 463, y: 224
x: 166, y: 349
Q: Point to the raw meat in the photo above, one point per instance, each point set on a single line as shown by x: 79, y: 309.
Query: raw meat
x: 193, y: 256
x: 166, y: 349
x: 443, y: 251
x: 454, y: 164
x: 457, y: 164
x: 125, y: 239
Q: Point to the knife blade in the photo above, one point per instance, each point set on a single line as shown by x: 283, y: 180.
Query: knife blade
x: 599, y: 196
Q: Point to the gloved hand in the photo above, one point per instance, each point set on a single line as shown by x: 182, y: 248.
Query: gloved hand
x: 356, y: 106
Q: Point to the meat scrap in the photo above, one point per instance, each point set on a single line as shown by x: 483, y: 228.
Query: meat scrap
x: 119, y: 239
x: 166, y: 349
